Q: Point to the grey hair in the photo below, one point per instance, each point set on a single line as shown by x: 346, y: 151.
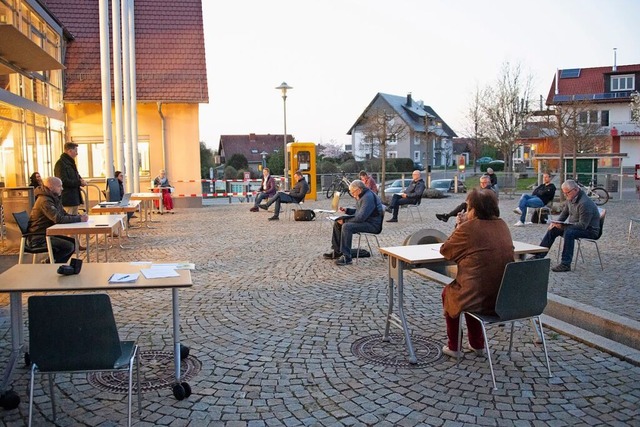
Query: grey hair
x: 51, y: 180
x: 570, y: 184
x: 356, y: 183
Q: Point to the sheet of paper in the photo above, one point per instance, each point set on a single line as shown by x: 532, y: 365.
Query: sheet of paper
x: 158, y: 273
x: 176, y: 265
x: 123, y: 277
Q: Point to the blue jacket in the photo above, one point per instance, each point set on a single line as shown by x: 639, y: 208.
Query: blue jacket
x: 368, y: 209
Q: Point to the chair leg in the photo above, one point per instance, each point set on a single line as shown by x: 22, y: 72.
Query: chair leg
x: 488, y: 350
x: 138, y: 382
x: 31, y: 384
x: 599, y: 258
x: 460, y: 339
x: 358, y: 250
x: 511, y: 339
x: 52, y: 378
x: 23, y: 241
x: 538, y: 324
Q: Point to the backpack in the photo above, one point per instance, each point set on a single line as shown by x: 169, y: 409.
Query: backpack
x: 304, y: 215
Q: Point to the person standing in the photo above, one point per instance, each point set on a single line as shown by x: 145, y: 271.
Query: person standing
x: 579, y: 219
x: 267, y: 189
x: 67, y: 170
x: 369, y: 181
x: 410, y: 196
x: 48, y: 211
x: 542, y: 195
x: 162, y: 183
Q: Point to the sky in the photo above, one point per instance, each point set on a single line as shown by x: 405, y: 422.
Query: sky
x: 338, y: 54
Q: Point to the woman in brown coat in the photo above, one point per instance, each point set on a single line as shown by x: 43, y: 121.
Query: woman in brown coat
x: 481, y: 246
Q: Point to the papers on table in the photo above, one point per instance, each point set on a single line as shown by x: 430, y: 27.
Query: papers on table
x: 174, y: 265
x: 123, y: 278
x: 105, y: 204
x: 159, y: 272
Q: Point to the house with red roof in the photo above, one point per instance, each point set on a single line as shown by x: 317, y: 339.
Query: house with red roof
x: 607, y: 92
x: 252, y: 146
x: 50, y: 75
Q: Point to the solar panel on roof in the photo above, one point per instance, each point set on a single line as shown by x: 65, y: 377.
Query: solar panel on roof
x: 570, y: 73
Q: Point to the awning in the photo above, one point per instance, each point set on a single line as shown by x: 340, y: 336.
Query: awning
x: 16, y: 49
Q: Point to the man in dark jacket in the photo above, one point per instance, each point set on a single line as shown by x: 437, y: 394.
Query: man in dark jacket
x: 542, y: 195
x: 411, y: 196
x: 579, y: 219
x: 367, y: 218
x: 67, y: 171
x: 485, y: 182
x: 48, y: 211
x: 296, y: 195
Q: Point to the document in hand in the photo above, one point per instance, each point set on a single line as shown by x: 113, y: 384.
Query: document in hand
x: 123, y: 278
x: 337, y: 217
x: 555, y: 221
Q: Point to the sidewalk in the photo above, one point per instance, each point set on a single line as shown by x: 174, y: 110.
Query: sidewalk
x: 281, y: 336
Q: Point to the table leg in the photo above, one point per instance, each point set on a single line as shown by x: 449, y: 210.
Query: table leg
x: 396, y: 274
x: 50, y: 250
x: 17, y: 337
x: 176, y: 332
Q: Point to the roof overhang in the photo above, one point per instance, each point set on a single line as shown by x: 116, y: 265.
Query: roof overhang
x: 18, y: 53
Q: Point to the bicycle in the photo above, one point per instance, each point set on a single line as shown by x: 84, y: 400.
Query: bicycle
x: 341, y: 184
x: 599, y: 195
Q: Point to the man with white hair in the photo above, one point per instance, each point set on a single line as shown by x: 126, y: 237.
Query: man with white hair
x: 48, y: 211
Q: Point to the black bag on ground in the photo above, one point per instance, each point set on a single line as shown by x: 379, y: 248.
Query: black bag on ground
x: 544, y: 216
x: 363, y: 253
x: 304, y: 215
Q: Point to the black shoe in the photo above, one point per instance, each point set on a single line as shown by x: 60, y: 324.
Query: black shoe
x: 274, y: 218
x: 392, y: 220
x: 343, y: 260
x: 389, y: 209
x: 265, y: 207
x: 253, y: 209
x: 560, y: 268
x: 443, y: 217
x: 331, y: 255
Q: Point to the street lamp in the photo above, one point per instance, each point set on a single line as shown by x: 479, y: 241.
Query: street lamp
x: 284, y: 87
x: 264, y: 159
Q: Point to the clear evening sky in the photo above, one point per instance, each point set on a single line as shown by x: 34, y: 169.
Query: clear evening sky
x: 337, y: 54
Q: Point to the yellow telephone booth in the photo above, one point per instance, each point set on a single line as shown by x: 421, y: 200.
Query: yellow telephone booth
x: 302, y: 157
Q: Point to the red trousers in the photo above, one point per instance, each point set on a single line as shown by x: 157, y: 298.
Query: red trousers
x: 475, y: 330
x: 167, y: 201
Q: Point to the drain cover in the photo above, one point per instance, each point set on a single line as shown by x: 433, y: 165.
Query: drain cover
x: 156, y: 372
x: 394, y: 352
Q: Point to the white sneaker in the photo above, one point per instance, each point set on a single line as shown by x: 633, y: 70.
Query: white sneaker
x: 528, y: 223
x: 517, y: 211
x: 519, y: 224
x: 446, y: 350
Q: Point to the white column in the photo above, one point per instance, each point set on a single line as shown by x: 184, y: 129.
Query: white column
x: 105, y: 77
x: 134, y: 96
x: 117, y: 85
x: 126, y: 80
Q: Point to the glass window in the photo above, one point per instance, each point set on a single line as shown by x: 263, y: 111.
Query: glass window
x: 604, y: 118
x: 623, y: 82
x: 582, y: 117
x: 416, y: 156
x: 593, y: 116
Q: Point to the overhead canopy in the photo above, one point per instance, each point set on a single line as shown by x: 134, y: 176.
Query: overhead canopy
x: 16, y: 49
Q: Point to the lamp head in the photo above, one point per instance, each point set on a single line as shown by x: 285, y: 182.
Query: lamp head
x: 284, y: 87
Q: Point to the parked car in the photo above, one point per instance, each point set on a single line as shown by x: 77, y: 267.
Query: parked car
x: 447, y: 185
x: 483, y: 160
x: 397, y: 186
x: 418, y: 166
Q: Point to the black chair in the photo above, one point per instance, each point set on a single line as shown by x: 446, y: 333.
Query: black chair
x: 77, y: 333
x: 22, y: 219
x: 522, y: 296
x: 113, y: 190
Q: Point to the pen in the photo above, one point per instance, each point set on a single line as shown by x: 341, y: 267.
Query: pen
x: 124, y: 277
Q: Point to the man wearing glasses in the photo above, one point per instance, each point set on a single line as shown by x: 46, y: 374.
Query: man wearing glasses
x: 579, y: 219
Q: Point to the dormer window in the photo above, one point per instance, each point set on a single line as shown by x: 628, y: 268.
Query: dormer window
x: 623, y: 82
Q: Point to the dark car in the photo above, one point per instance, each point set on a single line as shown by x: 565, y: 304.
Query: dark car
x: 447, y: 185
x: 418, y: 166
x: 483, y: 160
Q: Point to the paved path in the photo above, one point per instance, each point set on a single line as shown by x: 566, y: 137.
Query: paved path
x: 273, y: 325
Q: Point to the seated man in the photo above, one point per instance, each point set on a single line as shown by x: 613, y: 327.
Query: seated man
x: 48, y: 211
x: 410, y: 197
x: 581, y: 218
x: 369, y: 182
x: 267, y: 189
x: 367, y: 218
x: 296, y: 195
x: 542, y: 195
x: 485, y: 182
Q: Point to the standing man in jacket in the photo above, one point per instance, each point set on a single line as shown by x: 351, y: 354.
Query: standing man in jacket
x: 267, y: 189
x: 296, y: 195
x: 367, y: 218
x: 412, y: 194
x: 48, y: 211
x: 67, y: 171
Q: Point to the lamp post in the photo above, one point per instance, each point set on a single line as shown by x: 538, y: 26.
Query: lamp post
x: 284, y: 87
x: 264, y: 159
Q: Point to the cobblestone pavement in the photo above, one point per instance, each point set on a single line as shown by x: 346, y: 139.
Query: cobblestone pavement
x: 273, y: 325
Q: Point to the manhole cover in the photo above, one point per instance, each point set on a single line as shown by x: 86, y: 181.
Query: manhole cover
x: 156, y: 372
x: 394, y: 352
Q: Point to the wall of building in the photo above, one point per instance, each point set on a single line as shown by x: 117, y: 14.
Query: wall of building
x: 84, y: 122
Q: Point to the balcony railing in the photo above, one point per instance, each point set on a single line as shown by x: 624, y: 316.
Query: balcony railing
x: 625, y: 94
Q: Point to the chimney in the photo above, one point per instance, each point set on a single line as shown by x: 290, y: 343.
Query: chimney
x: 615, y: 66
x: 409, y: 99
x: 252, y: 137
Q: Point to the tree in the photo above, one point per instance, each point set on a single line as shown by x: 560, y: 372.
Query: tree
x: 635, y: 107
x: 275, y: 163
x: 506, y: 109
x: 206, y: 160
x: 238, y: 161
x: 477, y: 126
x: 380, y: 127
x: 332, y: 150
